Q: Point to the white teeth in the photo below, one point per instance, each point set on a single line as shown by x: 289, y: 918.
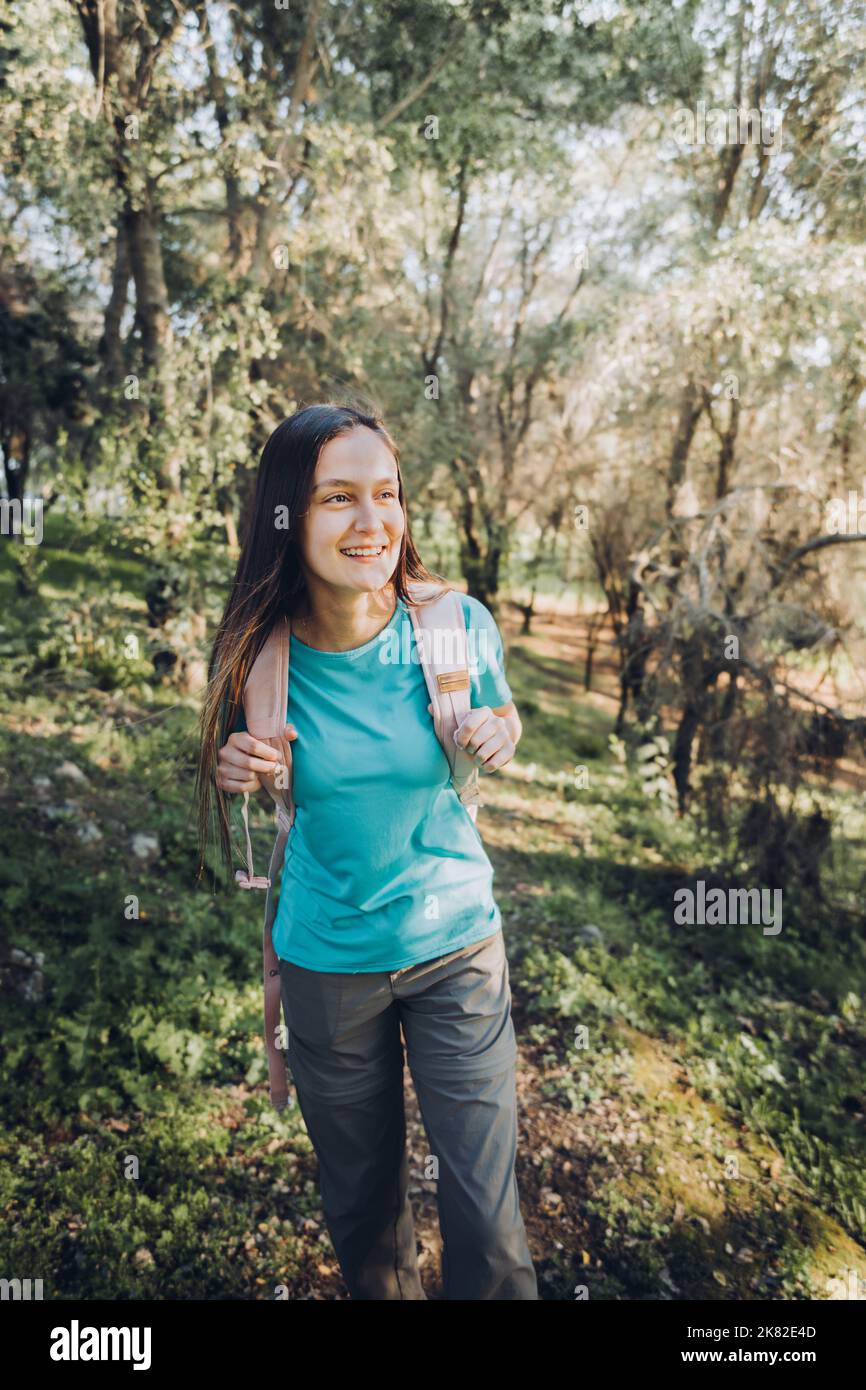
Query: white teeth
x: 377, y: 551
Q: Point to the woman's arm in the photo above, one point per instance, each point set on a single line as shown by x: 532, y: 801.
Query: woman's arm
x: 512, y: 718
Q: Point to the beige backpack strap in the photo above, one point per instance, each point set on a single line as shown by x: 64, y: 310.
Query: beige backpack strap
x: 440, y: 632
x: 265, y: 699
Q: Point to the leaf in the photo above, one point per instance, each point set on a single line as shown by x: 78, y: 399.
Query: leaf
x: 645, y: 752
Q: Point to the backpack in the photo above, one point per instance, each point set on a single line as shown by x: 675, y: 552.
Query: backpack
x: 440, y: 639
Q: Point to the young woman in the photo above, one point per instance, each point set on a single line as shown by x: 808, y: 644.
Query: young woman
x: 386, y: 915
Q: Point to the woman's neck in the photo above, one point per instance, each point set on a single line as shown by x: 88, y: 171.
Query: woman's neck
x: 327, y: 625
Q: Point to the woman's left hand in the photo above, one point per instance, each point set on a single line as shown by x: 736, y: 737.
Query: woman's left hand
x: 487, y: 737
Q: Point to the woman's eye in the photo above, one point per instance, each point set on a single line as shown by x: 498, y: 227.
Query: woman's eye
x: 342, y: 496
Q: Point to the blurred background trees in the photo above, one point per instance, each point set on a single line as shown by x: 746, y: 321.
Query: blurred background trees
x: 617, y: 350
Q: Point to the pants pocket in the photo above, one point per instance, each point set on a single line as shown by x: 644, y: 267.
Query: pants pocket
x: 312, y: 1001
x: 469, y: 1031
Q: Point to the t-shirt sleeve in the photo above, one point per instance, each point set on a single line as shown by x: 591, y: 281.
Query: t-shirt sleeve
x: 486, y: 657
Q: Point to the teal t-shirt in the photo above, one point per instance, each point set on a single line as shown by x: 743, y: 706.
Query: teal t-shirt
x: 384, y: 867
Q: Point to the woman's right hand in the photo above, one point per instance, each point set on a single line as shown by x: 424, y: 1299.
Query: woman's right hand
x: 243, y: 761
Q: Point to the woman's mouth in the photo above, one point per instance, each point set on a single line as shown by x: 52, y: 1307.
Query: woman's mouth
x: 366, y: 554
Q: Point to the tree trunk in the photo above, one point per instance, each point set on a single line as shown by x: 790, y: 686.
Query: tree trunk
x: 682, y: 756
x: 234, y: 201
x: 719, y: 735
x: 691, y: 407
x: 16, y: 450
x: 480, y: 563
x: 157, y: 338
x: 111, y: 343
x: 481, y: 573
x: 593, y: 629
x: 117, y: 55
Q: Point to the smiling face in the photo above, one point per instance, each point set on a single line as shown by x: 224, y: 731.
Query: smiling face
x: 352, y: 532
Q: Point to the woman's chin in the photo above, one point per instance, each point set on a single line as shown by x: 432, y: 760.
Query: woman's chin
x: 368, y: 580
x: 369, y: 575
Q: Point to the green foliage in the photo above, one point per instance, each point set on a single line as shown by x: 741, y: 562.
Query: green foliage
x: 693, y: 379
x: 94, y: 640
x: 653, y: 763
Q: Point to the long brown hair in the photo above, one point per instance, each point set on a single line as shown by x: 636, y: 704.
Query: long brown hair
x: 269, y: 583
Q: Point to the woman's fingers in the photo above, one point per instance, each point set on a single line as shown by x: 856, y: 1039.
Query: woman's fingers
x: 487, y: 753
x: 242, y: 745
x: 242, y: 757
x: 247, y: 744
x: 247, y: 754
x: 232, y: 785
x: 486, y: 738
x: 480, y: 735
x: 233, y: 761
x: 502, y: 756
x: 490, y: 745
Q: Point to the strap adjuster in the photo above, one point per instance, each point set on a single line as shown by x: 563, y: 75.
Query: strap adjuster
x: 244, y: 880
x: 453, y: 680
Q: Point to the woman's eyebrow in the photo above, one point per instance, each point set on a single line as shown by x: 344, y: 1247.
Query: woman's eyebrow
x: 346, y: 482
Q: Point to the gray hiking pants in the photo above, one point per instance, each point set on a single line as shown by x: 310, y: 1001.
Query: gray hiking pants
x: 346, y: 1058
